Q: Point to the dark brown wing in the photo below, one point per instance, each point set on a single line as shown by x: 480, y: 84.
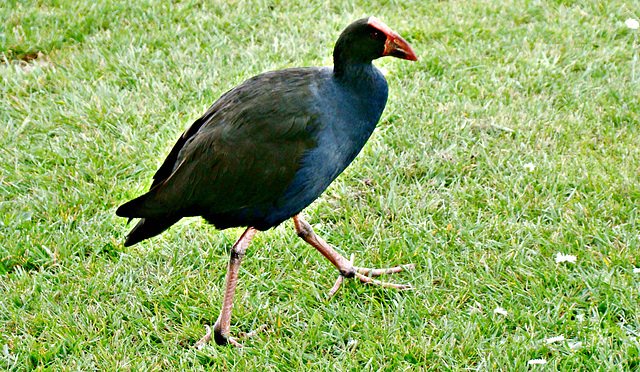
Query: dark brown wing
x: 244, y: 151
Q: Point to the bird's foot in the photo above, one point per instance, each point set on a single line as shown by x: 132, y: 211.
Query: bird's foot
x: 222, y: 340
x: 346, y: 268
x: 204, y: 340
x: 365, y: 275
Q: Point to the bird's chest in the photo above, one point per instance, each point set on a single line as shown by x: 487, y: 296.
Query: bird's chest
x: 344, y: 126
x: 347, y: 127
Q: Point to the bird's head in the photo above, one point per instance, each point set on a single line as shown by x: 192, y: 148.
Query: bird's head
x: 369, y: 38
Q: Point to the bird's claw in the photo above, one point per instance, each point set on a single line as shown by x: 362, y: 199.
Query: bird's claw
x: 205, y: 339
x: 365, y: 276
x: 336, y: 286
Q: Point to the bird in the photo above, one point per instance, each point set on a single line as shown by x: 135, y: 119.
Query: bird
x: 268, y: 148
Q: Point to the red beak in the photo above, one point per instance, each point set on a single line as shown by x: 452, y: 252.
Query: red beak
x: 395, y: 45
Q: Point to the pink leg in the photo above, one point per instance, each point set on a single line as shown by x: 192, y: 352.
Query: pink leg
x: 346, y: 268
x: 221, y: 329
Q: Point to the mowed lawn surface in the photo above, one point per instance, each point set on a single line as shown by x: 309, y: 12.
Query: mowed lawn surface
x: 512, y: 139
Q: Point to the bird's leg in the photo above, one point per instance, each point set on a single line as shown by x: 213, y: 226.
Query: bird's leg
x: 222, y: 327
x: 346, y: 268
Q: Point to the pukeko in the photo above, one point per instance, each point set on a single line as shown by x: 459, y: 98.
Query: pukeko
x: 268, y: 148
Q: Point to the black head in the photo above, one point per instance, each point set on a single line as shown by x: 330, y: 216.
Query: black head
x: 367, y: 39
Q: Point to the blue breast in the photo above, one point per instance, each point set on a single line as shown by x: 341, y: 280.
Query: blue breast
x: 349, y: 112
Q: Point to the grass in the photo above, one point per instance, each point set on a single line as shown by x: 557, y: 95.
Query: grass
x: 442, y: 183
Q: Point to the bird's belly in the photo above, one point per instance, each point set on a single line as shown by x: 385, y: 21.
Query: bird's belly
x: 319, y: 168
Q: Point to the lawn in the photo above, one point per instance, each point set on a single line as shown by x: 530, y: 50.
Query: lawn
x: 515, y: 137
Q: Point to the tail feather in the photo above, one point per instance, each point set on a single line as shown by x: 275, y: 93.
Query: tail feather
x: 132, y: 208
x: 147, y: 228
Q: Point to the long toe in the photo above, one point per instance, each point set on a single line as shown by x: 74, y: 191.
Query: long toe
x: 365, y: 275
x: 369, y: 280
x: 390, y: 270
x: 205, y: 339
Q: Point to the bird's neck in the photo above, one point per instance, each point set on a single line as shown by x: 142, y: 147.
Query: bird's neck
x: 365, y: 82
x: 358, y: 75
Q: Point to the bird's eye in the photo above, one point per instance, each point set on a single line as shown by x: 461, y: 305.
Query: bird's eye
x: 375, y: 34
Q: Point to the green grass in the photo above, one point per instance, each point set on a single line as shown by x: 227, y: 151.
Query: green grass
x: 442, y: 183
